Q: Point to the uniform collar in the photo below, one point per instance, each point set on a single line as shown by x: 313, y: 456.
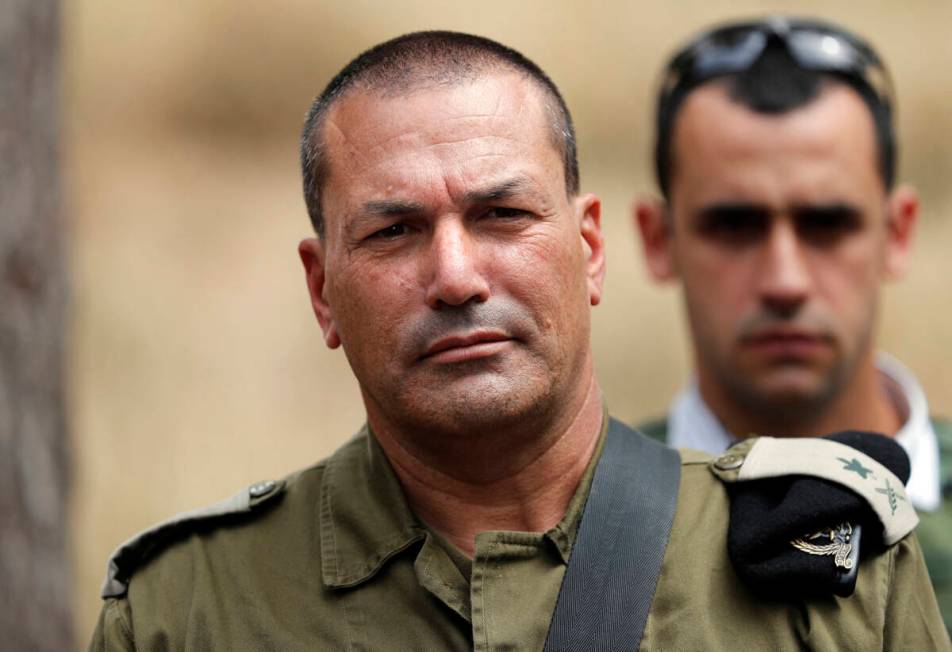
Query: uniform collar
x: 916, y: 436
x: 692, y: 424
x: 364, y: 517
x: 365, y: 521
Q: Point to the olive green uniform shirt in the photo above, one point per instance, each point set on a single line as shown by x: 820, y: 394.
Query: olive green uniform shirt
x: 333, y: 559
x: 934, y: 529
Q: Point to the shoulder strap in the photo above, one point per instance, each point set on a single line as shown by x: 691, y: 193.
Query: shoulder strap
x: 130, y: 555
x: 610, y: 581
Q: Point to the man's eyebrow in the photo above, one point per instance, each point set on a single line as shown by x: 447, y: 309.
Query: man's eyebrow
x: 720, y: 209
x: 497, y: 191
x: 831, y: 209
x: 494, y: 192
x: 392, y: 207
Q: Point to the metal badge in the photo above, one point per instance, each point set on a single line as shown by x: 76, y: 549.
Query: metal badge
x: 834, y: 541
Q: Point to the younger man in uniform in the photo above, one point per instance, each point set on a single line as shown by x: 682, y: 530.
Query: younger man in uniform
x: 781, y: 218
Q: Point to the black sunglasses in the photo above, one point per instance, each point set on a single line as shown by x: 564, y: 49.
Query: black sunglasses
x: 813, y: 45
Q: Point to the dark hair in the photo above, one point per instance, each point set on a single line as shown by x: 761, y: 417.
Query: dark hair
x: 775, y: 83
x: 425, y: 59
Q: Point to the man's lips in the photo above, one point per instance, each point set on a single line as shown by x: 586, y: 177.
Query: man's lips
x: 469, y: 346
x: 787, y: 343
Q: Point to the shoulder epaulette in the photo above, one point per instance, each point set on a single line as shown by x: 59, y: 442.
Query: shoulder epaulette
x: 131, y: 554
x: 799, y: 507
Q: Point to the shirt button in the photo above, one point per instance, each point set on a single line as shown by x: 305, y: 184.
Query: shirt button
x: 729, y: 462
x: 260, y: 489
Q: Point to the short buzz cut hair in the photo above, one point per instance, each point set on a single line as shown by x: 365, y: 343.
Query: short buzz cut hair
x: 421, y: 60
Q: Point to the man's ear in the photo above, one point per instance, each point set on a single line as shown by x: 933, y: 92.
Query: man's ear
x: 903, y: 210
x: 589, y: 209
x: 653, y: 222
x: 311, y: 251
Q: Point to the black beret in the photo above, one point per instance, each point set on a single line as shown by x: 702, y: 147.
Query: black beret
x: 801, y: 536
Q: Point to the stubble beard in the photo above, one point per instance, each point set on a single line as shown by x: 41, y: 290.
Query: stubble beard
x: 476, y: 406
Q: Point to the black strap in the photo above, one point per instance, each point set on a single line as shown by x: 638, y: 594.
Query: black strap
x: 616, y: 560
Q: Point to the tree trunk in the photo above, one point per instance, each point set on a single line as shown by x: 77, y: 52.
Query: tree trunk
x: 35, y: 584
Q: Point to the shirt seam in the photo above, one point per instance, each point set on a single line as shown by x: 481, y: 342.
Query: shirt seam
x: 126, y: 628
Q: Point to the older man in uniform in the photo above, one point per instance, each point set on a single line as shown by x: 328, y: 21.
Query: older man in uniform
x: 455, y: 262
x: 776, y: 157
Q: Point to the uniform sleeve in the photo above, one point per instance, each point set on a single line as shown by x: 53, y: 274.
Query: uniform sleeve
x: 913, y: 621
x: 114, y: 630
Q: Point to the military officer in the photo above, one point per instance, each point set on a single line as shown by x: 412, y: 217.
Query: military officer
x: 782, y: 218
x: 455, y: 263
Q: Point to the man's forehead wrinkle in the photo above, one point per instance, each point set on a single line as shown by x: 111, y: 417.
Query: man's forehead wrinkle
x: 497, y: 108
x: 463, y: 139
x: 392, y: 207
x: 478, y: 120
x: 340, y: 142
x: 332, y: 132
x: 455, y: 190
x: 499, y: 190
x: 379, y: 148
x: 518, y: 185
x: 487, y: 139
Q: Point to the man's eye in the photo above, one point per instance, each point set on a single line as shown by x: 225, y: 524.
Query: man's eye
x: 392, y: 231
x: 826, y: 227
x: 505, y: 213
x: 733, y: 225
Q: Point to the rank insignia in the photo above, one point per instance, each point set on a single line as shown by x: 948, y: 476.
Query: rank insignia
x: 835, y: 541
x: 855, y: 466
x: 892, y: 495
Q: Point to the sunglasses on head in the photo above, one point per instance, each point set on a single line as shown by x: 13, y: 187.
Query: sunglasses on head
x: 813, y: 45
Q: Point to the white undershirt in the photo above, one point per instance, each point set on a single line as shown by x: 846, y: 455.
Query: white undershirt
x: 691, y: 424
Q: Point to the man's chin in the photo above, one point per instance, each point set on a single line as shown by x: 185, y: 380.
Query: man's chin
x: 788, y: 396
x: 482, y: 401
x: 480, y: 404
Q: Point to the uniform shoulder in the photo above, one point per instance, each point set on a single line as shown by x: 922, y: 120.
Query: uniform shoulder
x: 702, y: 498
x: 247, y: 507
x: 691, y: 457
x: 796, y: 501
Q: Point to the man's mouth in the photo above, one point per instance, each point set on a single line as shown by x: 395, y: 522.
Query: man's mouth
x: 787, y: 343
x: 466, y: 347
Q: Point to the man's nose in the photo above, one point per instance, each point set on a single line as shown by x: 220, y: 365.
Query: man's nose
x: 455, y: 265
x: 784, y: 283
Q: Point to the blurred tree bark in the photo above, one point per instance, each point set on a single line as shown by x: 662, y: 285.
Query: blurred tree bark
x: 35, y: 583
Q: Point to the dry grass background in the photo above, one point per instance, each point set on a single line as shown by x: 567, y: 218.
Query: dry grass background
x: 196, y: 367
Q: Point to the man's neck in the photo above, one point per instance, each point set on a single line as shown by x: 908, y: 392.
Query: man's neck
x: 864, y: 405
x: 501, y: 482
